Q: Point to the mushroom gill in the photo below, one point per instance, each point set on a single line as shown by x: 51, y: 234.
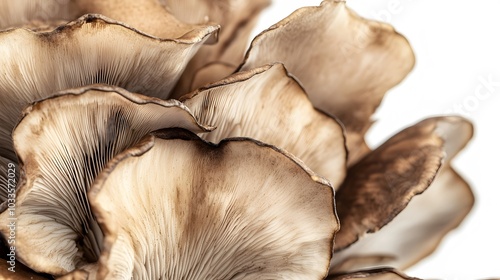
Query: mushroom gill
x: 237, y: 210
x: 62, y: 143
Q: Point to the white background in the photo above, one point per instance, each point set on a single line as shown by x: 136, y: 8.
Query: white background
x: 456, y: 43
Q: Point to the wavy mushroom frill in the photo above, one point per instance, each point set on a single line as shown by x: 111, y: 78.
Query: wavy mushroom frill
x: 385, y: 273
x: 268, y: 105
x: 399, y: 201
x: 237, y: 210
x: 265, y: 103
x: 345, y: 63
x: 160, y: 18
x: 92, y: 49
x: 71, y: 138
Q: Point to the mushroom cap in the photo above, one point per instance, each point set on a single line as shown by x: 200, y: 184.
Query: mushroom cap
x: 237, y: 210
x: 345, y: 63
x: 148, y: 16
x: 381, y: 184
x: 71, y: 137
x: 77, y: 274
x: 92, y: 49
x: 403, y: 198
x: 268, y: 105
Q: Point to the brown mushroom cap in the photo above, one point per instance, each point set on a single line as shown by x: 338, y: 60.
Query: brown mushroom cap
x: 237, y: 210
x: 71, y: 137
x: 346, y: 63
x: 4, y: 180
x: 395, y: 178
x: 91, y: 50
x: 268, y: 105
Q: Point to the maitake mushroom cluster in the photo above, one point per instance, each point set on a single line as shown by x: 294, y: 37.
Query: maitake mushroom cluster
x: 138, y: 140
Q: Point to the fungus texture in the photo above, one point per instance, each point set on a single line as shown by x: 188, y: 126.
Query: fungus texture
x: 139, y: 140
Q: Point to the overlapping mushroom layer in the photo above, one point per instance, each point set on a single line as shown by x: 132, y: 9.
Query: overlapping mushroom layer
x: 405, y: 195
x: 146, y: 15
x: 81, y: 53
x: 71, y: 137
x: 238, y: 210
x: 168, y: 205
x: 268, y: 105
x: 346, y: 63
